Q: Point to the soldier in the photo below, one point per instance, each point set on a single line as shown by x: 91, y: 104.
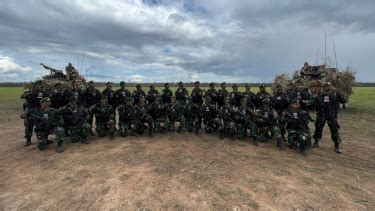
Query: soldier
x: 122, y: 93
x: 174, y: 113
x: 235, y: 96
x: 152, y: 94
x: 47, y: 121
x: 297, y: 124
x: 126, y: 116
x: 304, y: 96
x: 211, y: 93
x: 267, y: 122
x: 243, y: 117
x: 280, y: 100
x: 191, y: 114
x: 227, y: 125
x: 75, y: 119
x: 249, y: 96
x: 197, y: 94
x: 209, y: 114
x: 104, y: 118
x: 32, y: 100
x: 327, y: 109
x: 143, y: 117
x: 166, y: 96
x: 110, y: 95
x: 92, y: 97
x: 158, y: 113
x: 57, y: 97
x: 304, y: 69
x: 70, y: 71
x: 138, y: 94
x: 261, y: 95
x: 181, y: 94
x: 75, y: 91
x: 222, y: 94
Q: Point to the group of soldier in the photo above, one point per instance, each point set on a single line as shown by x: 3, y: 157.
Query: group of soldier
x: 244, y: 115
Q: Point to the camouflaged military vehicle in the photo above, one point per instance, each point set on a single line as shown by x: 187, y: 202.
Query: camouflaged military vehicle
x: 314, y: 77
x: 57, y: 77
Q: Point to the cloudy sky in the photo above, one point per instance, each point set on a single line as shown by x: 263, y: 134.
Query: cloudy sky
x: 171, y: 40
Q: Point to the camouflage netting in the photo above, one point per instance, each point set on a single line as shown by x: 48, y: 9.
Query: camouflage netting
x: 342, y: 81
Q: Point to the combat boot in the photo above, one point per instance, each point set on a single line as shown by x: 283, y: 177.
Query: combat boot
x: 254, y: 141
x: 316, y: 143
x: 84, y: 141
x: 27, y: 142
x: 111, y: 135
x: 337, y: 148
x: 60, y: 147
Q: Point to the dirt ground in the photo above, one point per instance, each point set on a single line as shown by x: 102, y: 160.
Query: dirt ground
x: 184, y: 171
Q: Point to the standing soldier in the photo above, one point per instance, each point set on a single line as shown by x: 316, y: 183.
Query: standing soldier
x: 303, y: 95
x: 47, y: 121
x: 181, y: 94
x: 197, y: 94
x: 32, y: 98
x: 104, y: 118
x: 222, y: 94
x: 249, y: 96
x: 122, y: 93
x: 280, y: 100
x: 138, y: 94
x: 152, y: 94
x: 297, y: 124
x: 57, y: 97
x: 211, y: 93
x: 235, y: 96
x: 166, y: 95
x: 92, y: 97
x: 261, y: 95
x: 75, y: 91
x: 111, y: 98
x: 75, y: 119
x: 327, y: 109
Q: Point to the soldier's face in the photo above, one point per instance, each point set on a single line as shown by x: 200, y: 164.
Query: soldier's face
x: 212, y: 87
x: 123, y: 86
x: 223, y: 86
x: 295, y: 106
x: 46, y: 105
x: 138, y: 88
x: 196, y: 85
x: 248, y: 88
x: 326, y: 89
x: 109, y: 86
x: 152, y: 87
x: 262, y: 89
x: 234, y: 89
x: 301, y: 86
x: 167, y: 87
x: 180, y: 86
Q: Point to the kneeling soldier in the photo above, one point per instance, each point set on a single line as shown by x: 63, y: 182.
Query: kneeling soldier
x: 46, y: 121
x: 76, y: 120
x: 104, y: 118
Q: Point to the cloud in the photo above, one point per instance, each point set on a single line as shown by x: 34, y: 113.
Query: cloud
x: 11, y: 71
x: 165, y: 40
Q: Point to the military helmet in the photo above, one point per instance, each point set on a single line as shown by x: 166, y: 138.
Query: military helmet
x: 91, y: 83
x: 180, y: 83
x: 294, y: 101
x: 166, y: 84
x: 45, y: 100
x: 122, y: 83
x: 108, y: 83
x: 197, y: 82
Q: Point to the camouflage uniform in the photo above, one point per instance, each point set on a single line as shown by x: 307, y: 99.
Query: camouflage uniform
x: 297, y: 121
x: 92, y: 97
x: 110, y: 95
x: 158, y: 113
x: 235, y: 96
x: 127, y: 117
x: 261, y: 95
x: 152, y: 94
x: 32, y: 101
x: 267, y: 122
x: 227, y: 125
x: 242, y: 115
x: 75, y: 119
x: 104, y: 118
x: 181, y: 94
x: 47, y: 121
x: 77, y: 92
x: 211, y: 93
x: 210, y: 115
x: 249, y: 96
x: 304, y: 97
x: 122, y: 93
x: 57, y: 97
x: 280, y: 102
x: 221, y: 95
x: 142, y: 117
x: 166, y: 96
x: 138, y: 94
x: 174, y: 113
x: 192, y: 116
x: 327, y: 109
